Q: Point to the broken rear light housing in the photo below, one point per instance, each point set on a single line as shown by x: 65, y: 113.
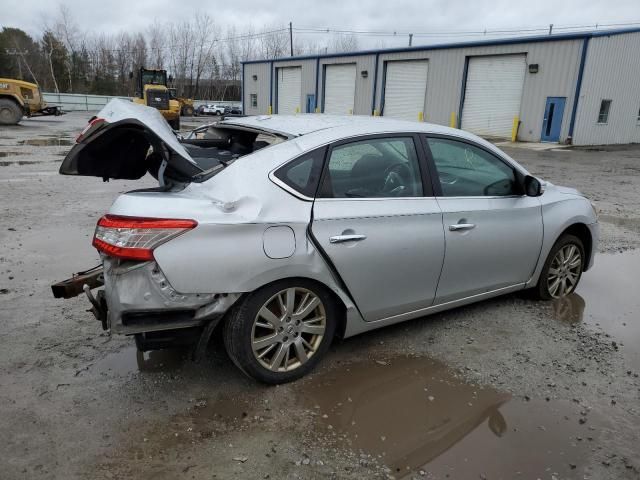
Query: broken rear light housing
x: 135, y: 238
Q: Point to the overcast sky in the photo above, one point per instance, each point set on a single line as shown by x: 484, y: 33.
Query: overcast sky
x: 418, y: 16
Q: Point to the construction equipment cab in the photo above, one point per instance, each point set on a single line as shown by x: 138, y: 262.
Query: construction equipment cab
x: 19, y: 98
x: 152, y: 91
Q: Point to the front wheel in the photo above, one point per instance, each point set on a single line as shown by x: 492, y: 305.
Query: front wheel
x: 175, y: 123
x: 280, y: 332
x: 562, y: 270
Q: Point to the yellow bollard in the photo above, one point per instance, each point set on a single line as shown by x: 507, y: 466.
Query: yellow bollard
x: 317, y: 109
x: 269, y: 111
x: 297, y: 109
x: 421, y: 116
x: 452, y: 120
x: 375, y: 113
x: 351, y: 111
x: 514, y: 129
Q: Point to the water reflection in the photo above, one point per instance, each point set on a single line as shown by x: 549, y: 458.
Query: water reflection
x: 408, y: 411
x: 569, y: 309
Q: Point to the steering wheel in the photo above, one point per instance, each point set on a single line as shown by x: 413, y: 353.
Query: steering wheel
x: 396, y: 177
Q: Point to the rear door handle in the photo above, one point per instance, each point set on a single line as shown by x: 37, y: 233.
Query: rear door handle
x: 462, y: 226
x: 346, y: 238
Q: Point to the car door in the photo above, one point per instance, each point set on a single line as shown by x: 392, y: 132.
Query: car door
x: 378, y: 223
x: 493, y: 232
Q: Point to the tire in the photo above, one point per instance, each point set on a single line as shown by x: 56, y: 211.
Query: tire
x: 175, y: 123
x: 10, y: 112
x: 187, y: 111
x: 276, y: 347
x: 568, y: 277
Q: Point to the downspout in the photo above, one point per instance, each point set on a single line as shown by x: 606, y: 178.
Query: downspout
x: 463, y: 88
x: 270, y: 88
x: 242, y: 90
x: 576, y: 99
x: 315, y: 101
x: 375, y: 84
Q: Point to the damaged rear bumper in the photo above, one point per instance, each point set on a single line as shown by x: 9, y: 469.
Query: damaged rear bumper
x: 138, y: 298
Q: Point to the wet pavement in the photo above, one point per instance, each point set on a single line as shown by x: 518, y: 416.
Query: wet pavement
x: 608, y: 298
x: 507, y: 388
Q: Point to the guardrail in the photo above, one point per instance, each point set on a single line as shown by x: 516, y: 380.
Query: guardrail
x: 70, y: 102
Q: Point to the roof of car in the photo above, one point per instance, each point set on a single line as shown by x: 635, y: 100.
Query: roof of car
x: 302, y: 124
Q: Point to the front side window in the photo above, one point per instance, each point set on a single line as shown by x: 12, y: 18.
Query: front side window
x: 373, y: 168
x: 465, y: 170
x: 254, y: 100
x: 303, y: 173
x: 603, y: 115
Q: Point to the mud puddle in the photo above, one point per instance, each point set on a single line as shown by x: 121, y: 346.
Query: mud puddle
x: 47, y: 142
x: 607, y: 297
x: 10, y: 154
x: 417, y: 416
x: 129, y: 360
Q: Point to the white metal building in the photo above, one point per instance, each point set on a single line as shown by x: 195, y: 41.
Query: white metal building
x: 582, y: 88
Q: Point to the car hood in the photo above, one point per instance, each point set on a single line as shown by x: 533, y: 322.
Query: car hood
x: 118, y: 146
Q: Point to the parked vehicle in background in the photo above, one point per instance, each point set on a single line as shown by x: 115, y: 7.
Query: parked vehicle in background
x: 19, y: 98
x: 212, y: 109
x: 234, y: 110
x: 291, y: 230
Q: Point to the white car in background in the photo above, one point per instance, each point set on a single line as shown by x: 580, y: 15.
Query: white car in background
x: 212, y: 109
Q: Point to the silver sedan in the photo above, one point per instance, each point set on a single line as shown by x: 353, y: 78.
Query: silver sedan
x: 287, y: 231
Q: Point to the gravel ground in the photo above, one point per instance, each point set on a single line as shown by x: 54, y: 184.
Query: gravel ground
x: 507, y: 388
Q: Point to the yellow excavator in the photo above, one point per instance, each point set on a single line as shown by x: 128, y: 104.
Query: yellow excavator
x: 19, y: 98
x: 152, y: 91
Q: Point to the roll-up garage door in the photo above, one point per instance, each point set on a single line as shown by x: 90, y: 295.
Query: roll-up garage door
x: 405, y: 89
x: 339, y: 88
x: 493, y: 94
x: 289, y: 89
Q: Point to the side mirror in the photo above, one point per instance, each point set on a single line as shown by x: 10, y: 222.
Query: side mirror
x: 532, y: 186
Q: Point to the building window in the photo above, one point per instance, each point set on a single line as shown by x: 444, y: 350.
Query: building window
x: 254, y: 100
x: 603, y: 116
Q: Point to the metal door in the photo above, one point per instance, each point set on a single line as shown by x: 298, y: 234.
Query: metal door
x: 552, y: 121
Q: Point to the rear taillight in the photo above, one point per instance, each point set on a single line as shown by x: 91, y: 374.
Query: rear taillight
x: 134, y: 238
x: 94, y: 124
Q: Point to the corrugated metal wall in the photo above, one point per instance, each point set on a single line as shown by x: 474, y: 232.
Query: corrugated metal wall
x: 558, y: 70
x: 259, y: 87
x: 364, y: 86
x: 612, y: 72
x: 308, y: 79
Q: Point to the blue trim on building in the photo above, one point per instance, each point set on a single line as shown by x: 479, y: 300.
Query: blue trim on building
x: 271, y: 86
x: 315, y: 107
x: 383, y: 88
x: 576, y: 95
x: 481, y: 43
x: 463, y: 90
x: 242, y: 90
x: 375, y: 83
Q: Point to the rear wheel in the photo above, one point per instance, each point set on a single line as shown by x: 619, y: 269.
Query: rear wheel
x: 10, y: 112
x: 279, y: 333
x: 562, y: 270
x: 187, y: 111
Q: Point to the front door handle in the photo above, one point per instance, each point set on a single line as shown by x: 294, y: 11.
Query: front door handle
x: 462, y: 226
x: 346, y: 238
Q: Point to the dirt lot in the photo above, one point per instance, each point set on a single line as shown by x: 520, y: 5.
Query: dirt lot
x: 508, y: 388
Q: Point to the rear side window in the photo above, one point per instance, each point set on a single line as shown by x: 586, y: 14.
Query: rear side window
x: 303, y: 173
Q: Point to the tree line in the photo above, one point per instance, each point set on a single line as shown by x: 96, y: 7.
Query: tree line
x: 203, y: 59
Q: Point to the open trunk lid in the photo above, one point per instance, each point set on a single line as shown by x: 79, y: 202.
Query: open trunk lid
x: 116, y: 144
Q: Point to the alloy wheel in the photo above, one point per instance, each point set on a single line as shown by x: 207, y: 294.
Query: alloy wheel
x: 288, y: 329
x: 564, y: 271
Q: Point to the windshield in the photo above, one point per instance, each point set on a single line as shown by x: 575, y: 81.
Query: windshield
x: 154, y: 77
